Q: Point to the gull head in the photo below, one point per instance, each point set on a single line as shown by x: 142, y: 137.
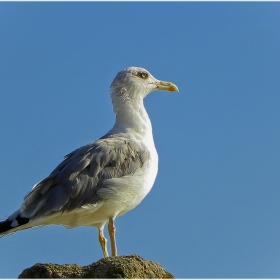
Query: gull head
x: 133, y: 83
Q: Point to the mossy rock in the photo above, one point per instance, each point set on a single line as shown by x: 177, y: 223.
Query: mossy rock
x: 129, y: 267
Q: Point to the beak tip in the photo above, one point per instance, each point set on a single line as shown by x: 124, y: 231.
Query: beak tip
x: 174, y: 88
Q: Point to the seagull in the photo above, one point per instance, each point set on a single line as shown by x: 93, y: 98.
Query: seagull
x: 104, y: 179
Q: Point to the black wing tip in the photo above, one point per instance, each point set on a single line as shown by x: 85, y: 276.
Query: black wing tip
x: 8, y: 225
x: 5, y: 226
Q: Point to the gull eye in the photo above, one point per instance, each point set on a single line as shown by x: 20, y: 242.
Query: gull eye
x: 143, y: 75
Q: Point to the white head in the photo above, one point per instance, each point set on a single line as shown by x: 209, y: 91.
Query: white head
x: 134, y: 83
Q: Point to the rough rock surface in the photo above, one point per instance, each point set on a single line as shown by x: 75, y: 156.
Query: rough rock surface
x: 131, y: 266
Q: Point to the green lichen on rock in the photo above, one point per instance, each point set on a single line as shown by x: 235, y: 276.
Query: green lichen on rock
x: 115, y: 272
x: 129, y: 267
x: 52, y: 271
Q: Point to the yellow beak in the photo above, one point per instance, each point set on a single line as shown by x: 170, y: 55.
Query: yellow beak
x: 161, y: 85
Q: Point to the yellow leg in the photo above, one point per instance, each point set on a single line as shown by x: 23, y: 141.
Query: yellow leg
x: 112, y: 233
x: 103, y: 242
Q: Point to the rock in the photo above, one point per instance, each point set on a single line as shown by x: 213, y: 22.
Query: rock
x: 131, y: 266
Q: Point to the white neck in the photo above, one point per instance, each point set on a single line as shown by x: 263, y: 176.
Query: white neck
x: 131, y: 116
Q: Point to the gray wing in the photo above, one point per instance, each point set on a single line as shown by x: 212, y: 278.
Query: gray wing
x: 76, y: 180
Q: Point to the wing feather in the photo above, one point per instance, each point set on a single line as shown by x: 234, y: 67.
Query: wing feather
x: 75, y: 182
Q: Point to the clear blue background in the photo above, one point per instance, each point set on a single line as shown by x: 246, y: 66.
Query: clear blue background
x: 214, y: 210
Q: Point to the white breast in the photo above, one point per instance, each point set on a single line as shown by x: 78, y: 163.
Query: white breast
x: 124, y: 193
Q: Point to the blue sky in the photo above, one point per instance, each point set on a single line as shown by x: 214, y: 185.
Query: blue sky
x: 214, y: 209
